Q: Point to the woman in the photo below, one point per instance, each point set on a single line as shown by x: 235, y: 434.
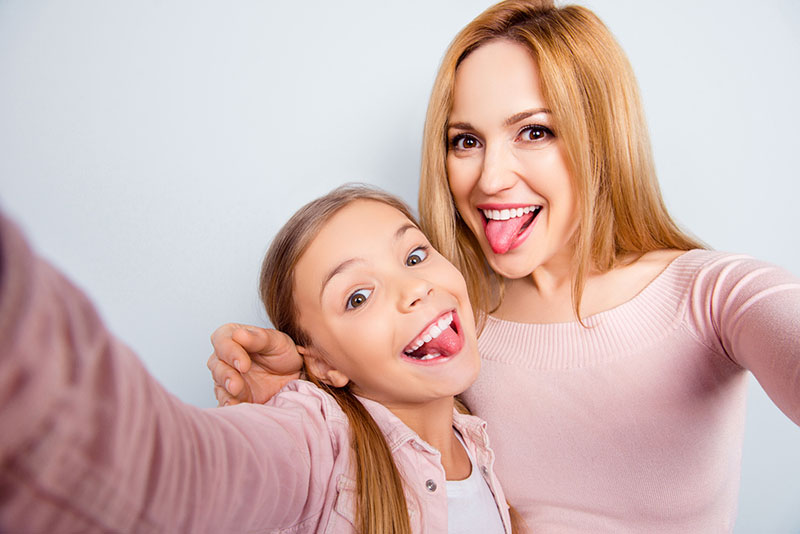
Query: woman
x: 623, y: 355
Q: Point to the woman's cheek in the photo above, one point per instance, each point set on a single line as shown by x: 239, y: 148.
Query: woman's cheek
x: 460, y: 185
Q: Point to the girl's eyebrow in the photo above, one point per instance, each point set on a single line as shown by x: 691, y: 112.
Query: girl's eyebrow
x: 403, y: 229
x: 347, y: 263
x: 336, y: 270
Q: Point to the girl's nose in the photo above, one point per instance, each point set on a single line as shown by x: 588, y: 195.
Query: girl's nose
x: 413, y: 292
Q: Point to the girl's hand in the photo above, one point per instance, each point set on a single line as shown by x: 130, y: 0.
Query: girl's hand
x: 250, y: 364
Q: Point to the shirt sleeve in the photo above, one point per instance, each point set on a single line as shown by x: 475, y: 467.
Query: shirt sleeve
x: 90, y: 442
x: 750, y: 311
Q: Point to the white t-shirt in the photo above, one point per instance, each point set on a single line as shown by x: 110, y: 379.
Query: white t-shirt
x: 471, y: 508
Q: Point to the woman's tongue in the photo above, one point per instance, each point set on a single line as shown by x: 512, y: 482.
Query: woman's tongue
x: 447, y: 344
x: 501, y: 234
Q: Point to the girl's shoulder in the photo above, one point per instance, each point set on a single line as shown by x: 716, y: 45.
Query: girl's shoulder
x: 302, y: 395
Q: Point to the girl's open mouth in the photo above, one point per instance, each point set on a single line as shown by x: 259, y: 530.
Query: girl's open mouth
x: 441, y: 338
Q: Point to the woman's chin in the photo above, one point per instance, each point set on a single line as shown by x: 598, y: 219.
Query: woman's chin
x: 510, y: 266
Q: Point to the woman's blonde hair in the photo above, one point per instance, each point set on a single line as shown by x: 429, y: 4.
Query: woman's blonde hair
x: 592, y: 94
x: 380, y: 503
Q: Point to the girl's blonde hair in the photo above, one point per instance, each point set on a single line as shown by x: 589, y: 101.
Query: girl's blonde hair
x: 592, y: 94
x: 380, y: 503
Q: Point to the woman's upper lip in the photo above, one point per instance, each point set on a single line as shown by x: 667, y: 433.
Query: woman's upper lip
x: 506, y: 206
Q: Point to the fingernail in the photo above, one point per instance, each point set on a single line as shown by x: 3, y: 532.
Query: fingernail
x: 227, y: 402
x: 236, y: 364
x: 251, y: 330
x: 228, y: 385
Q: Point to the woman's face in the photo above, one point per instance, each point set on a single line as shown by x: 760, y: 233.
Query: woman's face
x: 384, y: 310
x: 506, y: 164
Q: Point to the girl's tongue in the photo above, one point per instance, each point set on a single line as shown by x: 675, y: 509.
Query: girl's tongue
x: 446, y: 344
x: 501, y: 234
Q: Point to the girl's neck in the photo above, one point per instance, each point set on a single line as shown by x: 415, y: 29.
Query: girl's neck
x: 433, y: 422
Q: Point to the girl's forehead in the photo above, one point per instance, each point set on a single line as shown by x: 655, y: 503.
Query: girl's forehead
x: 360, y: 235
x: 362, y: 227
x: 364, y: 217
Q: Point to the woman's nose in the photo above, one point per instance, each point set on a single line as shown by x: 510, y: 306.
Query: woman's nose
x: 498, y: 172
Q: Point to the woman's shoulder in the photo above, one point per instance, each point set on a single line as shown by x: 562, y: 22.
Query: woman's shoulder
x: 686, y: 268
x: 715, y: 269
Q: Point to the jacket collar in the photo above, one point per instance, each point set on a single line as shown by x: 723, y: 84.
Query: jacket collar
x: 398, y: 433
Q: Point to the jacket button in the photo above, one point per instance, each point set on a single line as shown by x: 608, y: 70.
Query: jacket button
x: 430, y: 485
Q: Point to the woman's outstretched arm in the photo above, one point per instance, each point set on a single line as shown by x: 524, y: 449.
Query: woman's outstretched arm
x: 749, y: 311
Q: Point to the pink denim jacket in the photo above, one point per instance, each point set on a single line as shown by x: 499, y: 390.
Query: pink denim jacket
x: 92, y: 443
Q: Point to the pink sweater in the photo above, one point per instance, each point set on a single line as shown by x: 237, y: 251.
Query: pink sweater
x: 635, y: 423
x: 91, y: 443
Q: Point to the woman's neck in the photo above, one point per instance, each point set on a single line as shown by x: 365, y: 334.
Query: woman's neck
x: 546, y: 295
x: 433, y: 422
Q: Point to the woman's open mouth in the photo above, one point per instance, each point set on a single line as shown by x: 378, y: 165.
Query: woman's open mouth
x: 439, y: 339
x: 507, y: 228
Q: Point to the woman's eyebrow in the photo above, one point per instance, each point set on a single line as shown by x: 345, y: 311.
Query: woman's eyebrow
x: 513, y: 119
x: 522, y: 115
x: 459, y: 126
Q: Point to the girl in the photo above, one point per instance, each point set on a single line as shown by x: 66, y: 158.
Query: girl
x: 620, y: 344
x: 370, y: 443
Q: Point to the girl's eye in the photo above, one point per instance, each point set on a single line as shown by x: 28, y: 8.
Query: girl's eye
x: 358, y: 298
x: 534, y: 132
x: 464, y: 142
x: 418, y: 255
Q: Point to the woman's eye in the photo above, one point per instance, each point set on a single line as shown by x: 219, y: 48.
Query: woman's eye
x: 417, y: 256
x: 464, y: 142
x: 358, y: 298
x: 535, y: 133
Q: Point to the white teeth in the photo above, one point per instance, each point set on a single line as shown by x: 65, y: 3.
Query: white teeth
x: 434, y: 331
x: 510, y: 213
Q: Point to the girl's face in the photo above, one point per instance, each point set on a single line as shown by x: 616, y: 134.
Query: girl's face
x: 505, y: 163
x: 385, y: 310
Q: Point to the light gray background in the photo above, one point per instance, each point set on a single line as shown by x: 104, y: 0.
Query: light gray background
x: 151, y: 149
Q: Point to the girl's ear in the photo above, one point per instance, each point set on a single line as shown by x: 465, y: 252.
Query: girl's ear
x: 321, y: 369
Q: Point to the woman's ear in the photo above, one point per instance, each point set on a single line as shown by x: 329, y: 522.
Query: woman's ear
x: 321, y: 369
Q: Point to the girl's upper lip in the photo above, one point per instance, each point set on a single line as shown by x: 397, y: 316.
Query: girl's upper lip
x: 434, y: 321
